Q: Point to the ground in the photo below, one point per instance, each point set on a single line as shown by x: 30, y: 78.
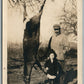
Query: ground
x: 16, y: 65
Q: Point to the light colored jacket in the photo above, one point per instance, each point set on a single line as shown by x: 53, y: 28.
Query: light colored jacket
x: 60, y: 45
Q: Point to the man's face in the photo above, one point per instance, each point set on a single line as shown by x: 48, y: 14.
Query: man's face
x: 57, y: 32
x: 56, y: 29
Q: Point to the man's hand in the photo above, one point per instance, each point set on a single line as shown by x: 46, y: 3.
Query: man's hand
x: 47, y: 68
x: 51, y: 76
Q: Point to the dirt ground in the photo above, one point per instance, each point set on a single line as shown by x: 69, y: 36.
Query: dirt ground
x: 16, y: 66
x: 15, y: 73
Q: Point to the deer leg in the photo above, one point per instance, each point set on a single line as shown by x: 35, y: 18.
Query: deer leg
x: 28, y: 74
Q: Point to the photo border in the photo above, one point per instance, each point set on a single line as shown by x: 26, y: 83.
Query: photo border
x: 80, y: 47
x: 0, y: 41
x: 3, y: 68
x: 83, y: 41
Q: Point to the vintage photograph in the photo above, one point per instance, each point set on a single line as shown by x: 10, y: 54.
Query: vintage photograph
x: 42, y: 40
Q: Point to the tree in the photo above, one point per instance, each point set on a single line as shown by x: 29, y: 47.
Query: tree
x: 33, y: 5
x: 69, y: 18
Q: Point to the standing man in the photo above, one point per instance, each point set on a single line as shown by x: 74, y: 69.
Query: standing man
x: 60, y: 45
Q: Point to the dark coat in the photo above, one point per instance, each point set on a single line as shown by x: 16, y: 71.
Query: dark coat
x: 53, y: 68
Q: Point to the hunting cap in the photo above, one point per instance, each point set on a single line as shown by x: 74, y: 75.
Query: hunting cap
x: 56, y: 26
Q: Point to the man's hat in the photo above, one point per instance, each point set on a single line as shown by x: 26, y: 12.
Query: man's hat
x: 56, y: 27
